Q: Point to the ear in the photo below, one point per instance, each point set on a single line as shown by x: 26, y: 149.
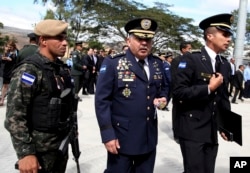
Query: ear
x: 128, y: 41
x: 210, y: 36
x: 43, y: 40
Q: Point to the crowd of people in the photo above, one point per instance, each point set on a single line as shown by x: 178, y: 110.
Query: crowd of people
x: 128, y: 88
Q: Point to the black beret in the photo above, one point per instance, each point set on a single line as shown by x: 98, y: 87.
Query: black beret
x: 141, y: 27
x: 32, y: 35
x: 220, y: 21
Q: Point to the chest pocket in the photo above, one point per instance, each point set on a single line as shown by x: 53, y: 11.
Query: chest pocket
x: 127, y: 84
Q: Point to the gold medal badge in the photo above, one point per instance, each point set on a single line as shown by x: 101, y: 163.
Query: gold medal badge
x: 126, y: 92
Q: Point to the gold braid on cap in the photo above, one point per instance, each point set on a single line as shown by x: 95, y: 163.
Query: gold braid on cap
x: 143, y: 35
x: 220, y: 24
x: 141, y: 31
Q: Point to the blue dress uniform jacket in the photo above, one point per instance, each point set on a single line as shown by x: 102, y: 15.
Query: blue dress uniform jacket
x: 124, y: 102
x: 196, y: 109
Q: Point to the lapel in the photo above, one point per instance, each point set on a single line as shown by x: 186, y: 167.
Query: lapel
x: 206, y: 60
x: 135, y: 66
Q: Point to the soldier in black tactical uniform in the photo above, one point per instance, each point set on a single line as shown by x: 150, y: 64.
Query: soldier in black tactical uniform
x: 40, y: 102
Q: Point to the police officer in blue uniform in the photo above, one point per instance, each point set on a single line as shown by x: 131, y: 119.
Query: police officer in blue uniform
x: 200, y: 92
x: 127, y: 96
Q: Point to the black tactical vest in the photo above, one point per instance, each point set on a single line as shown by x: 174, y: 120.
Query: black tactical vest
x: 52, y: 100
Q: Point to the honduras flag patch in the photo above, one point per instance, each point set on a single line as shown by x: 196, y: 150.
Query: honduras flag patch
x: 103, y: 69
x: 182, y: 65
x: 28, y: 78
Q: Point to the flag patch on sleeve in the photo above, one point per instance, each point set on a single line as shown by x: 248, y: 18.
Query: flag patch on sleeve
x: 28, y: 78
x: 182, y: 65
x: 103, y: 69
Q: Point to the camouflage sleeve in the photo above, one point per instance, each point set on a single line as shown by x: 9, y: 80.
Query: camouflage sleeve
x: 19, y: 101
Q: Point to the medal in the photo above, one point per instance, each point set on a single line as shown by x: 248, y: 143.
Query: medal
x: 126, y: 92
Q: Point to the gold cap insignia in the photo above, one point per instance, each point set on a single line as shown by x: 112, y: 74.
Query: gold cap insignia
x: 145, y: 24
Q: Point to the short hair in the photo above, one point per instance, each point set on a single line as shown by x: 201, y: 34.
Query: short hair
x: 184, y: 44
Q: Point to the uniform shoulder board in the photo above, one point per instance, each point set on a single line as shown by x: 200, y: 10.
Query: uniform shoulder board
x: 118, y: 55
x: 196, y: 51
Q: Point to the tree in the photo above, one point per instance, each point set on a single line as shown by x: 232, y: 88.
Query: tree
x: 104, y: 20
x: 3, y: 39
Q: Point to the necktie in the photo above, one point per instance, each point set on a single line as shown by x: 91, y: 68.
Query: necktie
x: 217, y: 63
x: 141, y: 64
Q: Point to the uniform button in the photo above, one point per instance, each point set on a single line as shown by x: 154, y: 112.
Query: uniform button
x: 214, y: 103
x: 148, y: 97
x: 215, y: 93
x: 180, y: 101
x: 148, y: 86
x: 148, y: 108
x: 118, y: 124
x: 213, y: 113
x: 191, y: 115
x: 126, y: 85
x: 147, y: 118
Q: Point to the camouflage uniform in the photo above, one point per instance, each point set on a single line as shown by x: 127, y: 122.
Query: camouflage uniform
x: 25, y: 139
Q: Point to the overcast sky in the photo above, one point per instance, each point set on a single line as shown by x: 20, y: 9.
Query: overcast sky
x: 24, y: 14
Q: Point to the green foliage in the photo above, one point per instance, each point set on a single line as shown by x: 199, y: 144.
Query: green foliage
x: 234, y: 25
x: 95, y: 44
x: 104, y: 20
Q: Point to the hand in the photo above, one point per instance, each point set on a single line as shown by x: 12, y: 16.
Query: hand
x: 160, y: 103
x: 6, y: 58
x: 84, y: 67
x: 112, y: 146
x: 29, y: 164
x: 223, y: 136
x: 215, y: 81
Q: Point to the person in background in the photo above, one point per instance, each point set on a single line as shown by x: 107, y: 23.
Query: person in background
x: 238, y: 84
x: 130, y: 87
x: 5, y: 53
x: 201, y: 92
x: 233, y: 70
x: 9, y: 61
x: 77, y: 70
x: 28, y: 49
x: 69, y: 61
x: 90, y: 60
x: 168, y: 58
x: 40, y: 102
x: 246, y: 91
x: 185, y: 47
